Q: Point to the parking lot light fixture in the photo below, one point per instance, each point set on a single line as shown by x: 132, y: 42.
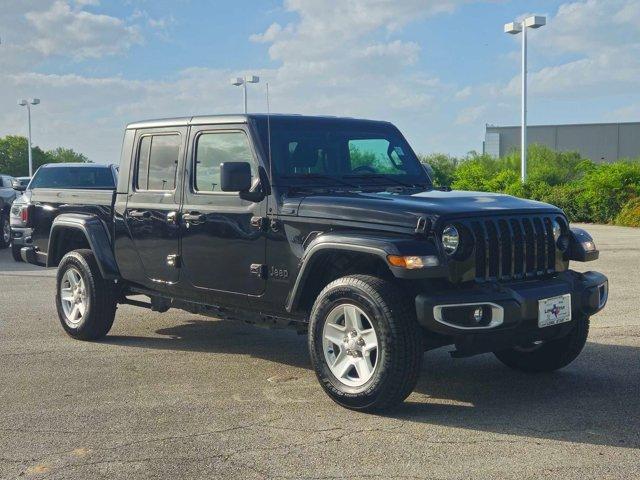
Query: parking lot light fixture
x: 534, y: 21
x: 242, y: 81
x: 28, y: 103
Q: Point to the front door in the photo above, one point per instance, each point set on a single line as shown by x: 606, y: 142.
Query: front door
x: 222, y: 249
x: 152, y: 208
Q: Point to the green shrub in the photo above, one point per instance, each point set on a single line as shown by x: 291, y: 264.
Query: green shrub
x: 629, y: 216
x: 586, y: 191
x: 548, y: 166
x: 608, y: 187
x: 443, y: 166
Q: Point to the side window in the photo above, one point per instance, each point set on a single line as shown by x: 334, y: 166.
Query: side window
x: 157, y: 162
x: 214, y: 148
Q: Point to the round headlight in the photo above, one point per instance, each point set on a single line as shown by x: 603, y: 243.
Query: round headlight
x: 557, y: 230
x: 450, y: 239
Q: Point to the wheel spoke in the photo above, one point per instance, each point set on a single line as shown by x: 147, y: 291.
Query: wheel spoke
x: 370, y: 339
x: 342, y: 364
x: 74, y: 313
x: 363, y: 367
x: 72, y: 279
x: 334, y: 333
x: 66, y: 295
x: 351, y: 320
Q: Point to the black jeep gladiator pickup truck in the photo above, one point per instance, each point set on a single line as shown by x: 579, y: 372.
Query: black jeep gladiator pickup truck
x: 327, y: 225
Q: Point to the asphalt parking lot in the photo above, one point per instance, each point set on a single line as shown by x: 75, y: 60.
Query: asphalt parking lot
x: 175, y: 395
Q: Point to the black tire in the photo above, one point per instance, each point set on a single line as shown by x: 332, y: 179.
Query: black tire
x: 100, y: 298
x: 15, y: 252
x: 400, y: 346
x: 4, y: 224
x: 551, y: 355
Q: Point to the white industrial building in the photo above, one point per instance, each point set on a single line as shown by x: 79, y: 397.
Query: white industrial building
x: 601, y: 142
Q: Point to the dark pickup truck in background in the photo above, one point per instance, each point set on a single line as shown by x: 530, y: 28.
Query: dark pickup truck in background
x: 327, y: 225
x: 53, y: 187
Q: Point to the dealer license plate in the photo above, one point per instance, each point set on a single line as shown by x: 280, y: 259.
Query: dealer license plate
x: 554, y: 310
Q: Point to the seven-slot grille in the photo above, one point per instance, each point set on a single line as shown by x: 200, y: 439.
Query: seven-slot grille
x: 507, y: 248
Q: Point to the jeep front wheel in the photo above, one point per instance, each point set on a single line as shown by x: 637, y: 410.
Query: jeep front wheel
x: 86, y: 302
x: 365, y: 343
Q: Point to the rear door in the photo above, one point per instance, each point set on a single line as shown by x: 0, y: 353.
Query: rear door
x: 222, y: 249
x: 151, y: 214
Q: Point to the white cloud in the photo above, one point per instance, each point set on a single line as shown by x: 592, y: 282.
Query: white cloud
x: 69, y: 30
x: 269, y: 35
x: 35, y: 30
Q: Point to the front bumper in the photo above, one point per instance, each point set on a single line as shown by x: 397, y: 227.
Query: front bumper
x: 515, y: 306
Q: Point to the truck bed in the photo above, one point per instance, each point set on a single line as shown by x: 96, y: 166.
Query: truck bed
x: 48, y: 203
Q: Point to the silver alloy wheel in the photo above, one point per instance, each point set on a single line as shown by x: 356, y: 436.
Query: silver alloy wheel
x: 6, y: 230
x: 73, y: 296
x: 350, y: 345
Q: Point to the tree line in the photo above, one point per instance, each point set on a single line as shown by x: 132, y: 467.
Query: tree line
x: 14, y: 156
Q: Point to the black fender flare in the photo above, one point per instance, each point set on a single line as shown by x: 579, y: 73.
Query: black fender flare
x: 378, y: 246
x: 98, y: 238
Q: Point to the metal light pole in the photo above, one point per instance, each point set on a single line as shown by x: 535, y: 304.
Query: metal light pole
x: 514, y: 28
x: 243, y: 81
x: 28, y: 103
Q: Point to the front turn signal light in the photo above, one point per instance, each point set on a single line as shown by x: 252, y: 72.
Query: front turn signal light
x: 413, y: 262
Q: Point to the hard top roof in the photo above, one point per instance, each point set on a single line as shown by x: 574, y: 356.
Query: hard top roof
x: 234, y: 118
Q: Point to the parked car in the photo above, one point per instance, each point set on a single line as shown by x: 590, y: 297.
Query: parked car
x: 7, y: 195
x: 327, y: 225
x: 48, y: 182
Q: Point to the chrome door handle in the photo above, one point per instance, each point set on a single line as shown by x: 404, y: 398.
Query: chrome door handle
x: 139, y: 214
x: 194, y: 217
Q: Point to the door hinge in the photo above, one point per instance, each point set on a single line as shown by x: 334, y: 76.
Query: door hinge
x: 259, y: 270
x: 173, y: 260
x: 259, y: 222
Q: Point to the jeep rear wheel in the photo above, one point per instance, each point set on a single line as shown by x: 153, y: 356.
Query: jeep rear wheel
x: 549, y: 355
x: 365, y: 343
x: 86, y: 302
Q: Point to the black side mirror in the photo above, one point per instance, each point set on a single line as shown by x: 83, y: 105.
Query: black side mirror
x: 235, y: 176
x: 17, y: 186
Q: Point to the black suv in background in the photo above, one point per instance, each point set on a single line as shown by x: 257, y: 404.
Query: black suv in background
x: 48, y: 180
x: 7, y: 196
x: 328, y: 225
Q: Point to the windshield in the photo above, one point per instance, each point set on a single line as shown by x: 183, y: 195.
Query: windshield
x: 100, y: 178
x: 339, y: 152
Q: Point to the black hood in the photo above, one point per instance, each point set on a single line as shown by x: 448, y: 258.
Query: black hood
x: 405, y: 209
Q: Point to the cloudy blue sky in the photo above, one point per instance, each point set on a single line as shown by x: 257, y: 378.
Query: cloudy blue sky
x: 439, y: 69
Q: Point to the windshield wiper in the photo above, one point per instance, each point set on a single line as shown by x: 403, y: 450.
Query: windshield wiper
x: 379, y: 176
x: 319, y: 176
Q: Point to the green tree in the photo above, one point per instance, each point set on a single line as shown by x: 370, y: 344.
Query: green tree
x: 14, y: 156
x: 66, y: 155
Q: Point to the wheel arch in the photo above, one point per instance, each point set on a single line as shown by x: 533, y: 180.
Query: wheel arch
x: 73, y: 231
x: 357, y: 254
